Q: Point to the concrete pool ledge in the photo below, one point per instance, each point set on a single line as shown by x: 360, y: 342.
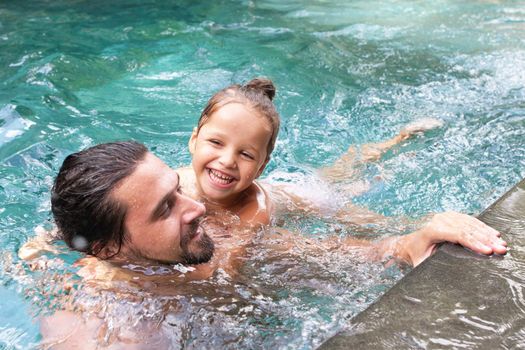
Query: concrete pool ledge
x: 455, y: 299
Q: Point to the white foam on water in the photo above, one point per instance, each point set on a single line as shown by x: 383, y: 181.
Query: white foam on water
x: 14, y: 125
x: 166, y: 76
x: 20, y: 62
x: 309, y: 187
x: 363, y: 31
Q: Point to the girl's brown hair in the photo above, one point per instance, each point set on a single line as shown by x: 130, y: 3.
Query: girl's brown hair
x: 258, y: 93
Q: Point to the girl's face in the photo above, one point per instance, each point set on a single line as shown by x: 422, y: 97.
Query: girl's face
x: 229, y: 152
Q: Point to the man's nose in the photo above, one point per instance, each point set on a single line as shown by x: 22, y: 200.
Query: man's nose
x: 191, y: 209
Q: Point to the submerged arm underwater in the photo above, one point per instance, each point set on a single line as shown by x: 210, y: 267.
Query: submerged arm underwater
x: 412, y: 248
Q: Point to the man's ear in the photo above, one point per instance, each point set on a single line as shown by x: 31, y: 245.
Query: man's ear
x: 263, y: 166
x: 110, y: 250
x: 193, y: 140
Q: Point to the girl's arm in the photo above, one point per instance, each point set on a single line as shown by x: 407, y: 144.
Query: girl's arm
x: 344, y: 167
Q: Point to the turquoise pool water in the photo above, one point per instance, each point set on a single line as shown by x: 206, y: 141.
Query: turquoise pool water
x: 76, y: 73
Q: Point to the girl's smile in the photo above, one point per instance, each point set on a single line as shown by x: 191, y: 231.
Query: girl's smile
x: 220, y: 179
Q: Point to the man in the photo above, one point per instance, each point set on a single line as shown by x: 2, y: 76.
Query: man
x: 118, y: 200
x: 120, y: 203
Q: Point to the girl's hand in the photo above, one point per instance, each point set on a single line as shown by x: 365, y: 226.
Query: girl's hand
x: 420, y: 126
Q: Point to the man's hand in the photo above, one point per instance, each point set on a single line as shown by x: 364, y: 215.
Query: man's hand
x: 450, y: 227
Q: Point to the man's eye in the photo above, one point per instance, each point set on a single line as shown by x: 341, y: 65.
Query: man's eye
x: 166, y: 209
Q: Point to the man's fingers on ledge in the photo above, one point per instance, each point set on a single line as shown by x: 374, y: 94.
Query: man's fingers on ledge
x: 501, y: 249
x: 479, y: 247
x: 491, y: 249
x: 486, y: 245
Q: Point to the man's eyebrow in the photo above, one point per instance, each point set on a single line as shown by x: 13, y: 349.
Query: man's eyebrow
x: 159, y: 208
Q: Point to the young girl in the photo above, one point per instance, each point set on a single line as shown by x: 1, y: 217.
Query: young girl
x: 232, y: 144
x: 230, y: 148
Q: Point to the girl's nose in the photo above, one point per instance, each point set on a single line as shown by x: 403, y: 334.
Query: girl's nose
x: 227, y: 159
x: 191, y: 209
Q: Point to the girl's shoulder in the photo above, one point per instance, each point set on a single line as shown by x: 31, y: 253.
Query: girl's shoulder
x: 257, y: 207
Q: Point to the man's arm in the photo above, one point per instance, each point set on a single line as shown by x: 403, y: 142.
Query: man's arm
x: 70, y: 330
x: 452, y: 227
x: 412, y: 248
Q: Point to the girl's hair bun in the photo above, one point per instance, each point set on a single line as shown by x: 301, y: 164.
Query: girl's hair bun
x: 262, y: 84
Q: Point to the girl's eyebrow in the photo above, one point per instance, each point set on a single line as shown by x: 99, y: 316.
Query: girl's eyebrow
x: 219, y: 133
x: 157, y: 212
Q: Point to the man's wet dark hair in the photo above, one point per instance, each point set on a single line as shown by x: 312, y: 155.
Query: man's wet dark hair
x: 88, y: 219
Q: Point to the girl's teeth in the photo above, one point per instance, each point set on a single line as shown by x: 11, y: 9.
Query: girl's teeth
x: 220, y: 178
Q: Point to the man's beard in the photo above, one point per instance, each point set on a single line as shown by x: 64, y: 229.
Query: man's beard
x: 199, y: 250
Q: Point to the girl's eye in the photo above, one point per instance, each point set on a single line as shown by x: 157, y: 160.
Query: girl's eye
x: 215, y: 142
x: 247, y: 155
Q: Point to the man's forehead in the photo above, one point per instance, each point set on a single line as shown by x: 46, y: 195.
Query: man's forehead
x: 151, y: 178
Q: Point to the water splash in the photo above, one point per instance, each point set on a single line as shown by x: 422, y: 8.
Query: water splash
x: 12, y: 124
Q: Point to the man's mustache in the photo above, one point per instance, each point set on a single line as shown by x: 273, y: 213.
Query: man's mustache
x: 198, y: 224
x: 203, y: 248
